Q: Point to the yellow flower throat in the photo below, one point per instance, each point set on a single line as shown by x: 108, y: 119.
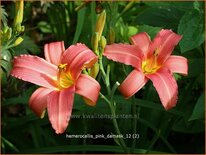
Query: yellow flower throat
x: 150, y: 65
x: 64, y: 77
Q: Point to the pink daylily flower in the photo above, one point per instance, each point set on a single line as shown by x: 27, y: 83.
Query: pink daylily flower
x: 60, y: 78
x: 152, y: 60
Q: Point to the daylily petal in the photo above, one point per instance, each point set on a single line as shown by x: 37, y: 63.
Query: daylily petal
x: 89, y: 88
x: 35, y: 70
x: 77, y: 57
x: 163, y: 44
x: 168, y: 46
x: 166, y: 87
x: 177, y: 64
x: 53, y: 52
x: 59, y: 106
x: 158, y: 41
x: 38, y: 101
x: 133, y: 83
x: 142, y: 40
x: 124, y: 53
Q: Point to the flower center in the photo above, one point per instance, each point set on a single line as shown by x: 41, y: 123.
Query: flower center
x: 150, y: 65
x: 65, y: 79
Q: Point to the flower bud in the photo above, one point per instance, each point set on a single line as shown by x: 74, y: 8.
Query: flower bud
x: 19, y: 12
x: 5, y: 29
x: 94, y: 70
x: 1, y: 33
x: 95, y: 41
x: 111, y: 35
x: 103, y: 42
x: 129, y: 5
x: 18, y: 27
x: 8, y: 34
x: 100, y: 24
x: 22, y: 28
x: 18, y: 41
x: 81, y: 5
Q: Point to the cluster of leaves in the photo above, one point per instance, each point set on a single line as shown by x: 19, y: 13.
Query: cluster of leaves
x: 160, y: 131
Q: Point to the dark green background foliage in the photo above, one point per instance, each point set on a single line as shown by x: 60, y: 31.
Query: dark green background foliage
x: 179, y: 130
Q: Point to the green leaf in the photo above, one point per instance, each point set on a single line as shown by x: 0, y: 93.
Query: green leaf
x: 36, y: 131
x: 199, y: 109
x: 184, y: 126
x: 9, y: 144
x: 196, y: 67
x: 132, y: 31
x: 191, y: 26
x: 6, y: 65
x: 17, y: 100
x: 196, y: 5
x: 146, y: 104
x: 78, y: 103
x: 159, y: 16
x: 159, y: 107
x: 184, y: 6
x: 199, y: 6
x: 3, y: 77
x: 3, y: 15
x: 151, y: 30
x: 150, y: 125
x: 21, y: 122
x: 6, y: 55
x: 21, y: 99
x: 44, y: 27
x: 80, y: 22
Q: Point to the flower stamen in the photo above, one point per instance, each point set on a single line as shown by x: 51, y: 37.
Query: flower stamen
x: 62, y: 67
x: 64, y: 78
x: 151, y: 65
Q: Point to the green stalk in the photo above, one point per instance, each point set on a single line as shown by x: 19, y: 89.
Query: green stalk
x: 122, y: 143
x: 114, y: 88
x: 134, y: 113
x: 105, y: 77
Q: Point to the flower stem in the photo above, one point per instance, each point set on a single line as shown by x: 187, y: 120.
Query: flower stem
x: 122, y: 143
x: 111, y: 102
x: 105, y: 76
x: 114, y: 88
x: 134, y: 113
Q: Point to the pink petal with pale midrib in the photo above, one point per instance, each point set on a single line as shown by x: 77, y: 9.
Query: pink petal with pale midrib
x: 164, y: 42
x: 38, y: 100
x: 166, y: 87
x: 168, y: 46
x: 88, y: 87
x: 53, y: 52
x: 77, y: 57
x: 142, y: 40
x: 35, y: 70
x: 127, y: 54
x: 133, y: 83
x: 158, y: 41
x: 59, y: 106
x: 177, y: 64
